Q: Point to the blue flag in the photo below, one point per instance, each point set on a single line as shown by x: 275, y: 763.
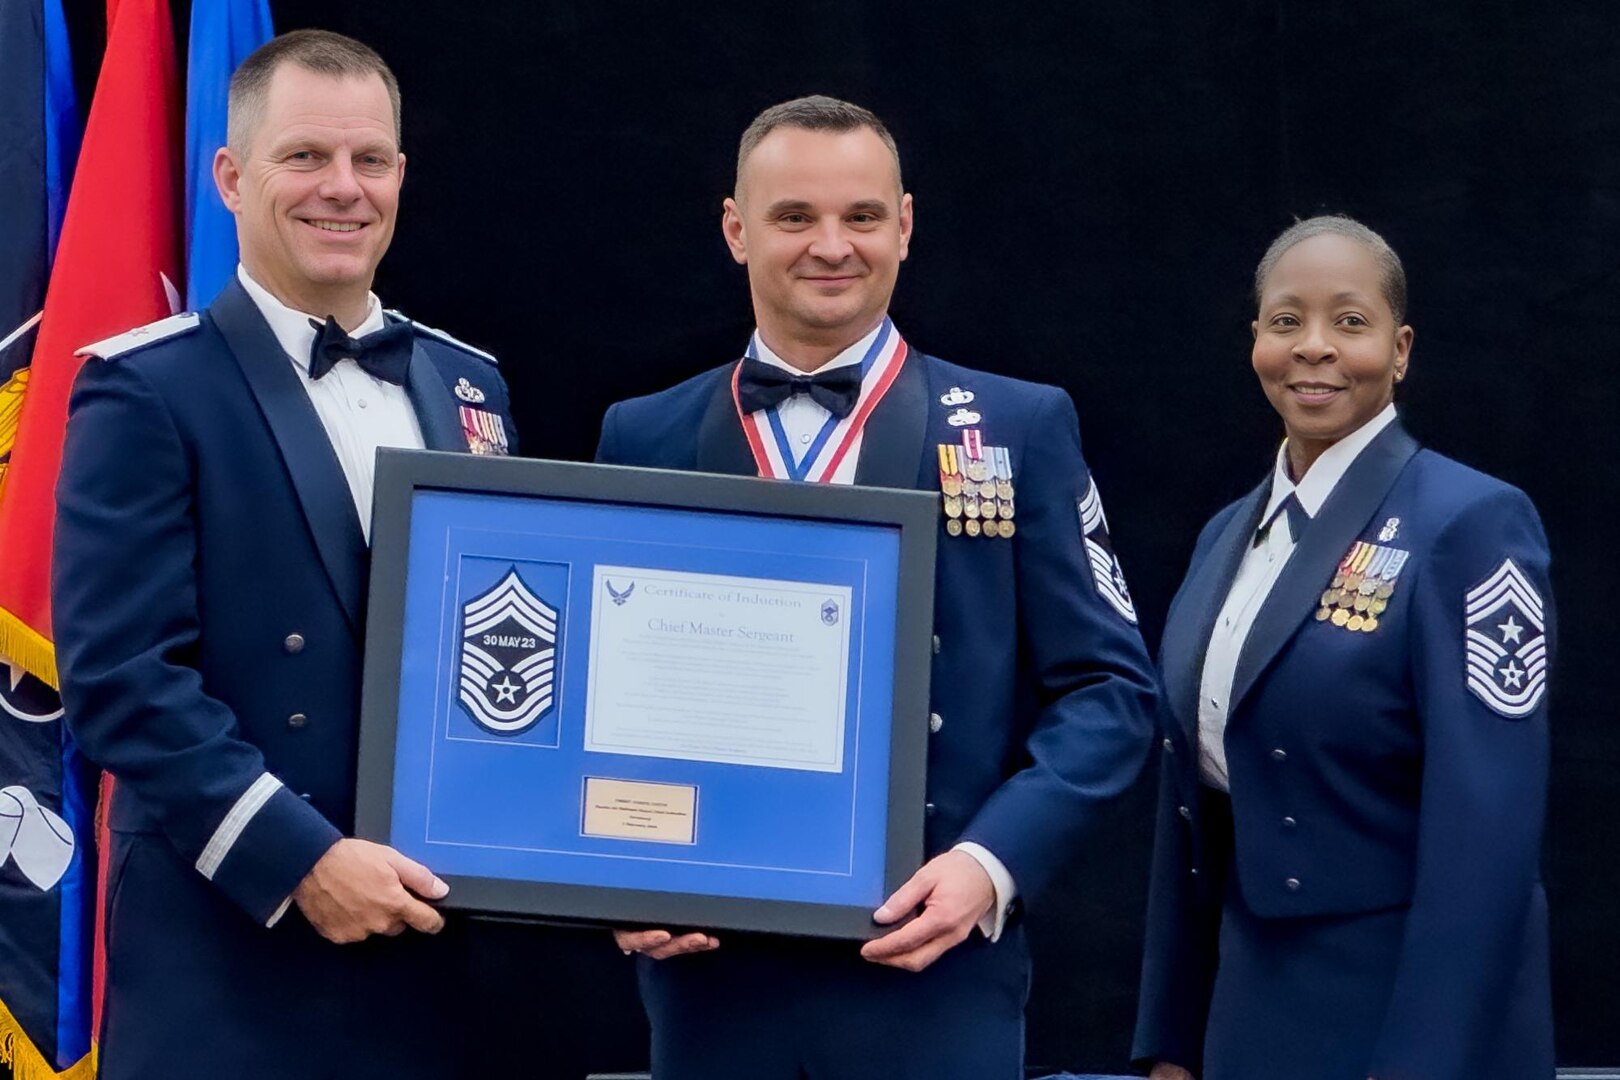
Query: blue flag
x: 223, y: 33
x: 47, y: 868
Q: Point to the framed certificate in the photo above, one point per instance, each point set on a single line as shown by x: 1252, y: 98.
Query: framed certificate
x: 633, y: 696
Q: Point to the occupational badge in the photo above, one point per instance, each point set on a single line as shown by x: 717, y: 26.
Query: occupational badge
x: 1506, y: 654
x: 1106, y: 573
x: 956, y: 396
x: 466, y: 391
x: 508, y: 656
x: 484, y: 431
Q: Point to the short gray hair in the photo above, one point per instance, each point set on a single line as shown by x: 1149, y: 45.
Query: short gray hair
x: 320, y: 51
x: 1390, y: 271
x: 818, y: 112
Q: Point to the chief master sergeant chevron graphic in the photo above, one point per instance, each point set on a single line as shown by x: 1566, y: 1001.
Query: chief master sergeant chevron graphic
x: 1507, y: 644
x: 508, y: 652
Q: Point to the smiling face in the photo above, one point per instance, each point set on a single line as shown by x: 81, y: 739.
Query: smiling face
x: 315, y: 190
x: 1327, y: 347
x: 821, y: 224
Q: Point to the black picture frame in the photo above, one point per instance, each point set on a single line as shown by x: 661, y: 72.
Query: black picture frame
x: 402, y: 474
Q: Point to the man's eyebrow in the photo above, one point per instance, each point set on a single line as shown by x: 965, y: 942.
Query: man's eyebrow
x: 787, y: 206
x: 869, y: 206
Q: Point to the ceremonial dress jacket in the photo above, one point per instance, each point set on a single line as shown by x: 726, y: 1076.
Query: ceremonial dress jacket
x: 1400, y: 765
x: 209, y: 607
x: 1042, y: 693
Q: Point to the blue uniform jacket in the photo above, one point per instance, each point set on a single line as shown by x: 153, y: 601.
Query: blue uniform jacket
x: 1042, y: 689
x: 209, y: 591
x: 1373, y: 771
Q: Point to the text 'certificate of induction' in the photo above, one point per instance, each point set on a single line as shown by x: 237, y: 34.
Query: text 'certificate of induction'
x: 634, y: 697
x: 710, y: 667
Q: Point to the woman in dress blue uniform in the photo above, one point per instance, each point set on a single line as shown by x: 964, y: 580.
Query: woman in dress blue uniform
x: 1345, y: 874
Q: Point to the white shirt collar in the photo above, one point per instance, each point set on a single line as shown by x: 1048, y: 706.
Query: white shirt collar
x: 292, y: 327
x: 852, y: 355
x: 1326, y: 471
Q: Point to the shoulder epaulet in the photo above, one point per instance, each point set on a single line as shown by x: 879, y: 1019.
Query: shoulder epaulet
x: 433, y: 332
x: 142, y: 336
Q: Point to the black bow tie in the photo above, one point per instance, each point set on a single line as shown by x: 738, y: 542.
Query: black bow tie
x: 384, y: 354
x: 764, y: 386
x: 1296, y: 514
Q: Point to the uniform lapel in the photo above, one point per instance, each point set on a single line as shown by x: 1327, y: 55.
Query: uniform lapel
x: 721, y: 445
x: 437, y: 413
x: 892, y: 443
x: 1186, y: 635
x: 323, y: 492
x: 1317, y: 554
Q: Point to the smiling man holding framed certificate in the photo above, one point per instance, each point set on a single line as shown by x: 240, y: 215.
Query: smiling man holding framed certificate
x: 1041, y: 692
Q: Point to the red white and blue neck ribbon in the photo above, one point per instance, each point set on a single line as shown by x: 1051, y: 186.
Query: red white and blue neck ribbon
x: 773, y: 453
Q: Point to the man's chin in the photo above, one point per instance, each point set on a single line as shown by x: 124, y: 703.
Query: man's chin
x: 829, y: 318
x: 339, y: 272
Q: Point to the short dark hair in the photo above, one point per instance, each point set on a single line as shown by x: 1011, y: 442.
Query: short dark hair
x: 818, y: 112
x: 1391, y: 272
x: 320, y: 51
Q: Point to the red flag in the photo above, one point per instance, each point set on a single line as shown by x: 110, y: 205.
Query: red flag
x: 117, y: 267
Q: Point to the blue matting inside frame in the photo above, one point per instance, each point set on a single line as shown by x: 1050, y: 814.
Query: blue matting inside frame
x: 475, y: 803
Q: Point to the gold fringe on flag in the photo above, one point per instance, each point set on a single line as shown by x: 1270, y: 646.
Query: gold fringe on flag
x: 25, y: 1060
x: 30, y: 649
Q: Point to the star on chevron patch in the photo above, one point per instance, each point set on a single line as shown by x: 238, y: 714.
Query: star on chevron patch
x: 1506, y: 653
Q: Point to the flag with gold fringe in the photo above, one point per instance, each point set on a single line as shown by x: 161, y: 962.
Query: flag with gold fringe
x: 46, y: 865
x: 116, y: 266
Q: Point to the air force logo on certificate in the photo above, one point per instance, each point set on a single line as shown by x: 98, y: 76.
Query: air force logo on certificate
x: 508, y: 657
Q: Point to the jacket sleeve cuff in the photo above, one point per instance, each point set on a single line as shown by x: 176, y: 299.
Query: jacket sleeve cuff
x: 994, y: 921
x: 265, y: 845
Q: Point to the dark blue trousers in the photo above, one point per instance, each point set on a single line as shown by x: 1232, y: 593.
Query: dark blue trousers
x: 773, y: 1009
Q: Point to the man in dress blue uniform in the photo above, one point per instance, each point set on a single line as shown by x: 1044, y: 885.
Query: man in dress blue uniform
x: 1043, y: 693
x: 210, y: 567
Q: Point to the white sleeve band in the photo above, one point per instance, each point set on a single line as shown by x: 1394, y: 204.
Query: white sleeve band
x: 230, y: 830
x: 994, y: 920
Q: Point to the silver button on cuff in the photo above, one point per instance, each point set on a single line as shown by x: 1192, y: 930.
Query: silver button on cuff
x: 297, y: 720
x: 293, y: 643
x: 935, y: 722
x: 1292, y: 884
x: 1279, y: 754
x: 1289, y: 823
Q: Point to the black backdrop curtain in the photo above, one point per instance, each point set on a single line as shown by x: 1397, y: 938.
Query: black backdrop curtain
x: 1094, y: 185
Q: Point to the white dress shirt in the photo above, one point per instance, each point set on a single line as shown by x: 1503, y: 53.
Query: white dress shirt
x: 359, y: 411
x: 802, y: 418
x: 1261, y: 566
